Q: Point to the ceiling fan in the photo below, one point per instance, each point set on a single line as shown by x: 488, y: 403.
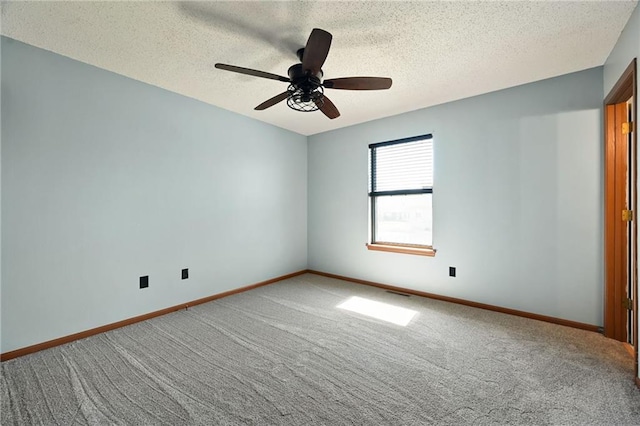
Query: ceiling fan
x: 306, y: 87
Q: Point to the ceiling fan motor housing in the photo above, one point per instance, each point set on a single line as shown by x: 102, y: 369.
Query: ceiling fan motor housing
x: 303, y: 79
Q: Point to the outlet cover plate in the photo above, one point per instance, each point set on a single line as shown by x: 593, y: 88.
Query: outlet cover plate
x: 144, y: 281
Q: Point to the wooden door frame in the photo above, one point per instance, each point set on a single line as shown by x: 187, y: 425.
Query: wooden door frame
x: 625, y: 88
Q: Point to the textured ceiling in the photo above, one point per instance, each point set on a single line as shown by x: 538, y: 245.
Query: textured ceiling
x: 435, y: 52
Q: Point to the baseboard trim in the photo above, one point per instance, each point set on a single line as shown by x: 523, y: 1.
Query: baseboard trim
x: 638, y: 382
x: 630, y: 349
x: 83, y: 334
x: 494, y: 308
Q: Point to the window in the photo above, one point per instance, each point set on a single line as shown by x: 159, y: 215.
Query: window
x: 400, y: 191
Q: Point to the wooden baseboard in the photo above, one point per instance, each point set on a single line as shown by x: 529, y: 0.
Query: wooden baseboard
x: 638, y: 382
x: 83, y: 334
x: 630, y: 349
x: 509, y: 311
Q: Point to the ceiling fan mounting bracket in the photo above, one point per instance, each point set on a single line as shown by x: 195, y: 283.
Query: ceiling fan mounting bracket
x: 300, y: 53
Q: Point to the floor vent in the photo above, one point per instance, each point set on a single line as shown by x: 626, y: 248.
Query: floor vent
x: 399, y: 294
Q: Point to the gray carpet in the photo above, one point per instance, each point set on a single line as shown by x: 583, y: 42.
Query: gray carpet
x: 284, y: 354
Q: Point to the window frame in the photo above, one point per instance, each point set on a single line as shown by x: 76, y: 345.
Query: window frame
x: 418, y: 249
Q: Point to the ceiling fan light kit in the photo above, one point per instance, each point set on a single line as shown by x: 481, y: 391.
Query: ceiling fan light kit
x: 305, y: 101
x: 306, y: 87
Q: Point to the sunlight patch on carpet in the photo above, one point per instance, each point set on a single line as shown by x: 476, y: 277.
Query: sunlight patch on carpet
x: 382, y: 311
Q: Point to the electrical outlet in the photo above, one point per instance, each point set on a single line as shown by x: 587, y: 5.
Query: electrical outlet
x: 185, y: 274
x: 452, y: 271
x: 144, y: 281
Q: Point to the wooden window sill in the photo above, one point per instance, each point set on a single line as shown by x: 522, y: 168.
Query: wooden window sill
x: 420, y: 251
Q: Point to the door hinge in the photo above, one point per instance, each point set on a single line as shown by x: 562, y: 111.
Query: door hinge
x: 627, y: 303
x: 627, y: 128
x: 627, y: 215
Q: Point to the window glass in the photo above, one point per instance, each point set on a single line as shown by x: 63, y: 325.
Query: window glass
x: 401, y: 191
x: 404, y: 219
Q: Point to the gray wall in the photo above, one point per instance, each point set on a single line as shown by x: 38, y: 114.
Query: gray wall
x: 0, y: 200
x: 517, y: 199
x: 627, y: 48
x: 105, y: 179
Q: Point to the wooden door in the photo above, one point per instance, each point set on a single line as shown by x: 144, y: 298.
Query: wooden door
x: 620, y: 181
x: 618, y: 220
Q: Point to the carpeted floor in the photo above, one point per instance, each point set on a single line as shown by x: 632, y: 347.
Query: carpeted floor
x: 284, y: 354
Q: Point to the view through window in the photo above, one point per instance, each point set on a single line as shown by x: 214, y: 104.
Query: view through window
x: 401, y: 190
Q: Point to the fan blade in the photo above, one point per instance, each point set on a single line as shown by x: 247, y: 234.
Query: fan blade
x: 358, y: 83
x: 316, y: 50
x: 271, y: 102
x: 328, y: 108
x: 255, y: 73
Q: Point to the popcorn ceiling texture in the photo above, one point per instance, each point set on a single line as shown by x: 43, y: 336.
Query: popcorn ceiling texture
x: 435, y: 52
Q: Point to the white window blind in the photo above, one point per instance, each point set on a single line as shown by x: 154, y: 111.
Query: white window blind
x: 403, y: 166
